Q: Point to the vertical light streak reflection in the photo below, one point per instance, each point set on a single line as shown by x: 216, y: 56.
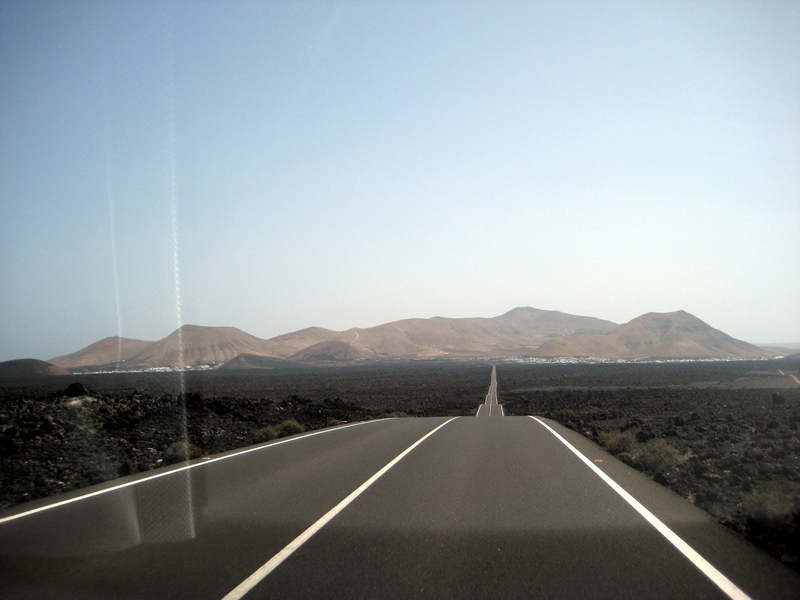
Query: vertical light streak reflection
x: 182, y: 416
x: 111, y: 209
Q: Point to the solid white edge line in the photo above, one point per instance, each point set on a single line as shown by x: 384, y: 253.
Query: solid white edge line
x: 178, y: 470
x: 722, y: 582
x: 248, y: 584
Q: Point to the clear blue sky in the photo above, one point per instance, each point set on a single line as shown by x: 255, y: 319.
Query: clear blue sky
x: 278, y: 165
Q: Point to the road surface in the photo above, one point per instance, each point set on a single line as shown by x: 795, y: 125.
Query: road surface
x: 491, y: 408
x: 399, y: 508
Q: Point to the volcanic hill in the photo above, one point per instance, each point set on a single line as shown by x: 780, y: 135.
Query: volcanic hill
x: 108, y: 351
x: 517, y: 332
x: 29, y: 367
x: 656, y: 335
x: 192, y: 345
x: 254, y: 361
x: 332, y: 351
x: 294, y: 342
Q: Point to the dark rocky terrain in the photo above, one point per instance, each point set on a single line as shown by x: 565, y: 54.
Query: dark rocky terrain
x: 722, y: 434
x: 62, y: 433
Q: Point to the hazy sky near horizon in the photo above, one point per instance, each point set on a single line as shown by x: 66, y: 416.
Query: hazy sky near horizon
x: 277, y: 165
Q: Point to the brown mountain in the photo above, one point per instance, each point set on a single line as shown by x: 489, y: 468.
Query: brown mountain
x: 656, y: 335
x: 292, y: 343
x: 192, y: 345
x: 517, y: 332
x: 331, y: 351
x: 29, y: 367
x: 110, y: 350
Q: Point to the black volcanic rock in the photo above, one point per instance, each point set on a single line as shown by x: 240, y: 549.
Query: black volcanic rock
x: 74, y: 390
x: 9, y: 446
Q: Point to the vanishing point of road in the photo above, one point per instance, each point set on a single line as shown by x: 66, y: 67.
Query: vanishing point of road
x: 500, y: 507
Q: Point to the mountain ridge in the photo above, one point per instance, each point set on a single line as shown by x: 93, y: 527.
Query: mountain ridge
x: 656, y: 335
x: 520, y: 332
x: 194, y: 345
x: 117, y: 348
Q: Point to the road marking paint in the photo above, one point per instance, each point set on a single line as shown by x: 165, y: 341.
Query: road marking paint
x: 248, y: 584
x: 204, y: 461
x: 722, y: 582
x: 790, y: 375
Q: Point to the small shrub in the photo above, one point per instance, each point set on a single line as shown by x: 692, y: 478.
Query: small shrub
x: 564, y: 414
x: 289, y: 427
x: 264, y: 434
x: 590, y: 414
x: 181, y: 451
x: 657, y: 456
x: 617, y: 442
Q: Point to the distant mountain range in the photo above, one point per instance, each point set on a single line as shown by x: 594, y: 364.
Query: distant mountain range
x: 518, y: 332
x: 656, y: 335
x: 525, y: 332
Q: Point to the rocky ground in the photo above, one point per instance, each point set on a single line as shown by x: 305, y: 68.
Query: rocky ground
x: 62, y: 433
x: 722, y: 434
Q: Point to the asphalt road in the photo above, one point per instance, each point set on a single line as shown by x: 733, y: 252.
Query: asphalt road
x: 491, y: 408
x: 400, y: 508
